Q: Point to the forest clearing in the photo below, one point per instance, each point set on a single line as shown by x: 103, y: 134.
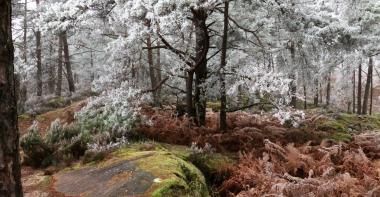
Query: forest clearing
x: 193, y: 98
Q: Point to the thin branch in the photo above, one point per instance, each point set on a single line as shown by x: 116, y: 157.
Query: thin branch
x: 156, y: 87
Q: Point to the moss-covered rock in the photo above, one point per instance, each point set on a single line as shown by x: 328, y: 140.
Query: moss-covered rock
x: 164, y: 168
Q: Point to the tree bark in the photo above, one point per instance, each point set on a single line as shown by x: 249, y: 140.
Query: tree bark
x: 201, y: 48
x: 367, y: 87
x: 354, y: 93
x: 51, y: 71
x: 293, y: 84
x: 39, y: 59
x: 10, y: 172
x: 158, y: 69
x: 371, y: 96
x: 360, y: 90
x: 58, y: 90
x: 25, y: 43
x: 69, y: 72
x: 22, y: 93
x: 305, y: 97
x: 316, y: 94
x: 320, y: 93
x: 152, y: 72
x: 223, y: 63
x: 328, y: 91
x: 189, y: 94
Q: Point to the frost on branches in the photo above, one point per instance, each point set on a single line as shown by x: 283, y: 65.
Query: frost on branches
x: 115, y: 112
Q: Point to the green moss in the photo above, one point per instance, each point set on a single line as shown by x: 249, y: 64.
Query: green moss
x: 332, y: 125
x: 46, y: 181
x: 215, y: 106
x: 24, y: 117
x: 56, y: 102
x: 170, y: 187
x: 358, y: 123
x: 168, y: 163
x: 341, y: 137
x: 41, y: 118
x: 181, y: 178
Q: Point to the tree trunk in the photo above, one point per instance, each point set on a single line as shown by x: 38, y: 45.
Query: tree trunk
x: 223, y: 63
x: 25, y: 43
x: 92, y: 66
x: 189, y: 94
x: 152, y: 72
x: 22, y: 94
x: 367, y: 87
x: 51, y: 71
x: 69, y: 72
x: 371, y: 95
x: 320, y: 93
x: 304, y: 97
x: 328, y: 91
x: 158, y: 69
x: 293, y: 84
x: 354, y: 93
x: 201, y: 48
x: 360, y: 89
x: 316, y: 94
x: 58, y: 90
x: 10, y: 172
x: 39, y: 59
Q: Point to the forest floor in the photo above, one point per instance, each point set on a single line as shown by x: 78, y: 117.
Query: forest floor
x: 327, y: 154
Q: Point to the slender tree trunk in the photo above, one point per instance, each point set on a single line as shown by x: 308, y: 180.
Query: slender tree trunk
x: 25, y: 43
x: 354, y: 93
x: 10, y: 171
x: 39, y: 59
x: 22, y: 94
x: 189, y: 94
x: 360, y: 89
x: 158, y: 69
x: 305, y: 97
x: 328, y: 91
x: 58, y: 90
x: 152, y: 71
x: 293, y: 84
x: 69, y: 72
x: 51, y: 71
x: 320, y: 94
x: 223, y: 63
x: 371, y: 96
x: 316, y: 94
x: 92, y: 66
x: 367, y: 87
x: 202, y: 47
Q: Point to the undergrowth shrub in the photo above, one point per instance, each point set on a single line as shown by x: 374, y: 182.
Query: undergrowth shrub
x: 37, y: 152
x: 115, y: 112
x: 59, y: 132
x: 210, y: 164
x: 109, y: 119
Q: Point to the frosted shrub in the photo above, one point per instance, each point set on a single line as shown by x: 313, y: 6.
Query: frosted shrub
x: 115, y: 112
x: 207, y: 149
x: 34, y: 147
x: 291, y: 118
x: 58, y: 132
